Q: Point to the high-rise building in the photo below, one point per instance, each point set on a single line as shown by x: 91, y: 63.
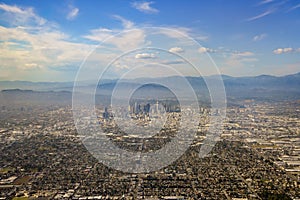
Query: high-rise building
x: 105, y: 113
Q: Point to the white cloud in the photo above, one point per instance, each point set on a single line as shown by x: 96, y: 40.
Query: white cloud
x: 124, y: 41
x: 176, y: 50
x: 239, y: 59
x: 17, y: 15
x: 13, y: 9
x: 203, y: 50
x: 173, y: 62
x: 265, y: 2
x: 294, y: 7
x: 180, y: 32
x: 259, y: 37
x: 29, y: 66
x: 100, y: 34
x: 127, y: 24
x: 243, y: 54
x: 268, y: 12
x: 145, y: 55
x: 33, y: 48
x: 119, y: 66
x: 283, y: 50
x: 39, y: 49
x: 175, y: 32
x: 72, y: 13
x: 144, y: 7
x: 206, y: 50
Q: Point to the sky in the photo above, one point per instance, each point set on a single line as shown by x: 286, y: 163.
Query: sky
x: 52, y: 39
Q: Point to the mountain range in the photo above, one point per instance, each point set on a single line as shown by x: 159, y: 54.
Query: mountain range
x: 263, y: 87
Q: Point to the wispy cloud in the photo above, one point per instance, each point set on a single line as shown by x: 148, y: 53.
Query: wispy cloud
x: 144, y: 7
x: 124, y: 41
x: 101, y: 34
x: 259, y: 37
x: 294, y: 7
x: 127, y: 24
x: 16, y: 15
x: 265, y: 2
x: 243, y: 54
x: 182, y: 32
x: 266, y: 13
x: 73, y: 13
x: 13, y: 9
x: 239, y: 59
x: 173, y: 62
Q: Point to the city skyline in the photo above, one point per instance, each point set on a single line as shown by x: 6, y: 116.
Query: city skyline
x: 49, y: 41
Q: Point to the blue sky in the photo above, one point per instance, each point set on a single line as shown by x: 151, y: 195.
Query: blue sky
x: 48, y: 40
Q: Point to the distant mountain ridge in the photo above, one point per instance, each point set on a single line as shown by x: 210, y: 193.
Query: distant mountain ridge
x: 265, y: 87
x: 261, y: 80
